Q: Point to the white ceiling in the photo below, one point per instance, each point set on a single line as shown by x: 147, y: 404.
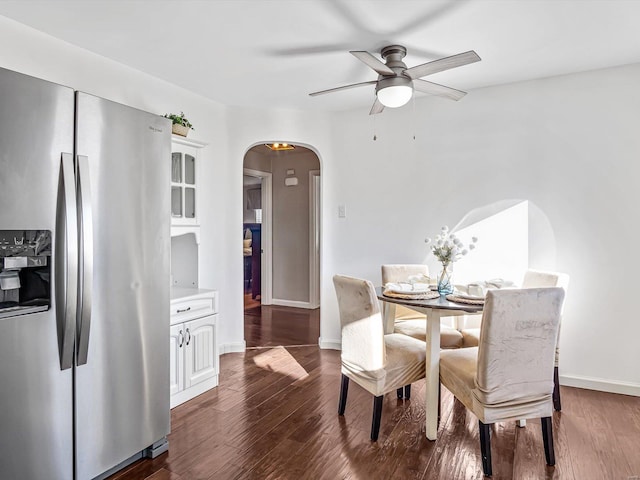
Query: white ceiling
x: 272, y: 53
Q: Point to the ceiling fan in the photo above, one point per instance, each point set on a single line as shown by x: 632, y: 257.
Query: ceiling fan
x: 396, y: 82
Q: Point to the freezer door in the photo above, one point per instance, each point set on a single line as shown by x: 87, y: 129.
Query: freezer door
x: 122, y: 391
x: 36, y: 403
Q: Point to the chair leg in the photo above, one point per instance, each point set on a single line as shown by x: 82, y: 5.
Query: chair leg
x: 400, y: 391
x: 377, y: 413
x: 485, y: 447
x: 439, y: 401
x: 547, y: 438
x: 344, y: 389
x: 556, y: 390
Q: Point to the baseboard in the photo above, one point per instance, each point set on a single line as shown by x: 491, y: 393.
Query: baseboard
x: 329, y: 344
x: 624, y: 388
x: 238, y: 347
x: 292, y: 303
x: 191, y: 392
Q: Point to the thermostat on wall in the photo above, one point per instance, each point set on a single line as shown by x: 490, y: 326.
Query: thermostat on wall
x: 290, y: 182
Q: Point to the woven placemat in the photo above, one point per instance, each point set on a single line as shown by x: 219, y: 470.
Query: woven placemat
x: 411, y: 296
x: 470, y: 301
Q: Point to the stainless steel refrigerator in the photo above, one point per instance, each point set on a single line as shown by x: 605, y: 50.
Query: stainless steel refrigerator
x: 84, y: 282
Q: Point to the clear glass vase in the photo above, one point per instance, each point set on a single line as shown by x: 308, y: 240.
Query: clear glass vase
x: 445, y: 279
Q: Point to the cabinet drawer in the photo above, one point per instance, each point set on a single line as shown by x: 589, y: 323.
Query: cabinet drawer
x: 190, y: 309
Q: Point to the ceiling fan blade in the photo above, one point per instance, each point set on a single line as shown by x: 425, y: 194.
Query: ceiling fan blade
x: 442, y: 64
x: 344, y: 87
x: 377, y: 107
x: 372, y: 62
x: 436, y: 89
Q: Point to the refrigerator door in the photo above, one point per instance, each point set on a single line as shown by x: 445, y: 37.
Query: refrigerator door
x: 36, y: 403
x: 122, y: 391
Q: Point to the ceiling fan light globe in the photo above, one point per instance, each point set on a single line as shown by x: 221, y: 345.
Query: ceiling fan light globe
x: 395, y: 95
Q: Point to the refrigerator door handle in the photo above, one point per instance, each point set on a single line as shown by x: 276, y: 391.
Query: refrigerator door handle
x: 67, y: 264
x: 86, y: 259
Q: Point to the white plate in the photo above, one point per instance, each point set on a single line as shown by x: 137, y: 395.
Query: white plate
x: 468, y: 297
x: 405, y: 288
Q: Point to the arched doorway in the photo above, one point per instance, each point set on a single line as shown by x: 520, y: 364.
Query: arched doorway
x: 281, y: 245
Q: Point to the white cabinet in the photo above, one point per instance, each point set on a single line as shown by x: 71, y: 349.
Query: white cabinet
x: 184, y: 181
x: 176, y: 356
x: 193, y: 343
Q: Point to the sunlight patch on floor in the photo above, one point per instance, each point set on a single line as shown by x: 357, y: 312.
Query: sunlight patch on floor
x: 279, y: 360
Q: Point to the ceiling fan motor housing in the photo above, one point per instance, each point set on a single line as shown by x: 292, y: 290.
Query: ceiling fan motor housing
x: 393, y: 55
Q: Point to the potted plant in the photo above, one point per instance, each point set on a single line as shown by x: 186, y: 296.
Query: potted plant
x: 181, y: 125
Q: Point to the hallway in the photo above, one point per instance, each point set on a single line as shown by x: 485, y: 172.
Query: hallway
x: 272, y: 325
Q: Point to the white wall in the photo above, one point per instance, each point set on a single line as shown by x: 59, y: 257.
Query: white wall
x: 569, y: 144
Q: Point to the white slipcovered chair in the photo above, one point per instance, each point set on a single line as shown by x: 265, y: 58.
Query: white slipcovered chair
x: 377, y: 362
x: 509, y: 375
x: 532, y: 279
x: 412, y: 323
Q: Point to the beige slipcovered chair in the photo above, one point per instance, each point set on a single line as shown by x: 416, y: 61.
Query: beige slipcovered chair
x: 533, y: 279
x: 409, y: 322
x: 509, y: 375
x: 377, y: 362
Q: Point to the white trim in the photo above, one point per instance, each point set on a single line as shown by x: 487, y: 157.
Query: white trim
x: 329, y: 344
x: 266, y: 235
x: 190, y: 142
x: 601, y: 384
x: 292, y: 303
x: 191, y: 392
x: 238, y: 347
x: 314, y: 238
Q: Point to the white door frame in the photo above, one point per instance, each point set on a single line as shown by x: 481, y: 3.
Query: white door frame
x: 266, y: 260
x: 314, y: 238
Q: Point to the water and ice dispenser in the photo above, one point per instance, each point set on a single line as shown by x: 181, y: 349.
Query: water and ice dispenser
x: 25, y: 271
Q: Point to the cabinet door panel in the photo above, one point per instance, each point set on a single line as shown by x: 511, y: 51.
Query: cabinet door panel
x: 200, y: 356
x: 184, y: 180
x: 189, y: 169
x: 176, y: 356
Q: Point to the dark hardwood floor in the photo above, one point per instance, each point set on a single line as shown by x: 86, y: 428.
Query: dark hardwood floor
x: 274, y: 416
x: 272, y: 325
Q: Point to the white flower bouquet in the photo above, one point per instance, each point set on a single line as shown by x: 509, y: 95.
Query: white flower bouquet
x: 448, y: 248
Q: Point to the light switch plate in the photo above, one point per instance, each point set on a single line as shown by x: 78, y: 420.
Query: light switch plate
x: 342, y: 211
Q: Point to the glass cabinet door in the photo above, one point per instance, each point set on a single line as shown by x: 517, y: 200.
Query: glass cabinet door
x: 189, y: 202
x: 189, y: 169
x: 176, y: 202
x: 176, y: 167
x: 183, y: 184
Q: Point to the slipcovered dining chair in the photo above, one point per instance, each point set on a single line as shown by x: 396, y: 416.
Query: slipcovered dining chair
x: 377, y: 362
x: 533, y: 279
x: 412, y: 323
x: 509, y: 375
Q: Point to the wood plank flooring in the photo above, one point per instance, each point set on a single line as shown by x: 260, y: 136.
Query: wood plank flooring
x: 274, y: 416
x: 272, y: 325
